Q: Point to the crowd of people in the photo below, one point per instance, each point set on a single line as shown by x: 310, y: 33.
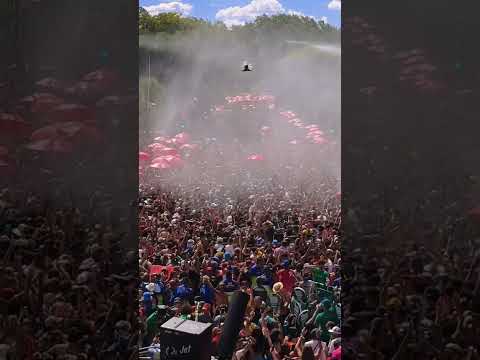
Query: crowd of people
x: 64, y: 291
x: 278, y: 243
x: 412, y: 299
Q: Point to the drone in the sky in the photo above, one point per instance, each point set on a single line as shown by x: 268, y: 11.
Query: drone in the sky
x: 247, y: 66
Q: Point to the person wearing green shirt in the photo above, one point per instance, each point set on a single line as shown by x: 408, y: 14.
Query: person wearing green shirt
x: 319, y: 275
x: 153, y: 322
x: 327, y: 313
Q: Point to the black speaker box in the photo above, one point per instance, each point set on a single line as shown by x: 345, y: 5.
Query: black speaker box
x: 185, y: 340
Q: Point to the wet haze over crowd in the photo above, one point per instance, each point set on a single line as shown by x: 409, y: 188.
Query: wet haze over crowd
x: 197, y: 71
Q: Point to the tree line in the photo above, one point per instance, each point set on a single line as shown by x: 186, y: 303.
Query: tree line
x: 294, y: 27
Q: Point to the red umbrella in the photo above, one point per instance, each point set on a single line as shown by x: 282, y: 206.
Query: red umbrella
x: 167, y: 151
x: 256, y: 157
x: 143, y: 156
x: 50, y: 145
x: 72, y: 112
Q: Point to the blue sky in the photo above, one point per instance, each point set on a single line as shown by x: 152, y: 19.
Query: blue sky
x: 234, y: 12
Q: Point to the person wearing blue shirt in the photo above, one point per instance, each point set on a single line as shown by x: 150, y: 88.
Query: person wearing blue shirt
x: 207, y: 291
x: 257, y: 269
x: 230, y: 284
x: 147, y: 303
x: 183, y: 291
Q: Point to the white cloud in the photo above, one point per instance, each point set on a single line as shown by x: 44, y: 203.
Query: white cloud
x: 293, y: 12
x: 239, y: 15
x: 335, y: 5
x: 173, y: 6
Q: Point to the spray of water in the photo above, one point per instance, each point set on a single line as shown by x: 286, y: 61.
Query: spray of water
x: 326, y: 49
x: 195, y: 73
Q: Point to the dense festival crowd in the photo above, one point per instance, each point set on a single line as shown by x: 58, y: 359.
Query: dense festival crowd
x: 64, y: 290
x: 281, y: 245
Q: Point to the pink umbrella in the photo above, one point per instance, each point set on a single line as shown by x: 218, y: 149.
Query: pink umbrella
x: 156, y: 146
x: 143, y: 156
x: 182, y: 138
x: 161, y: 165
x: 167, y: 151
x: 174, y: 161
x: 189, y: 147
x: 313, y: 133
x: 256, y: 157
x: 266, y: 130
x: 172, y: 142
x: 319, y: 140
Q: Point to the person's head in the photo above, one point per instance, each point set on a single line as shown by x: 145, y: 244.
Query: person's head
x: 186, y: 309
x: 276, y: 337
x: 308, y: 353
x: 257, y: 301
x: 335, y: 332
